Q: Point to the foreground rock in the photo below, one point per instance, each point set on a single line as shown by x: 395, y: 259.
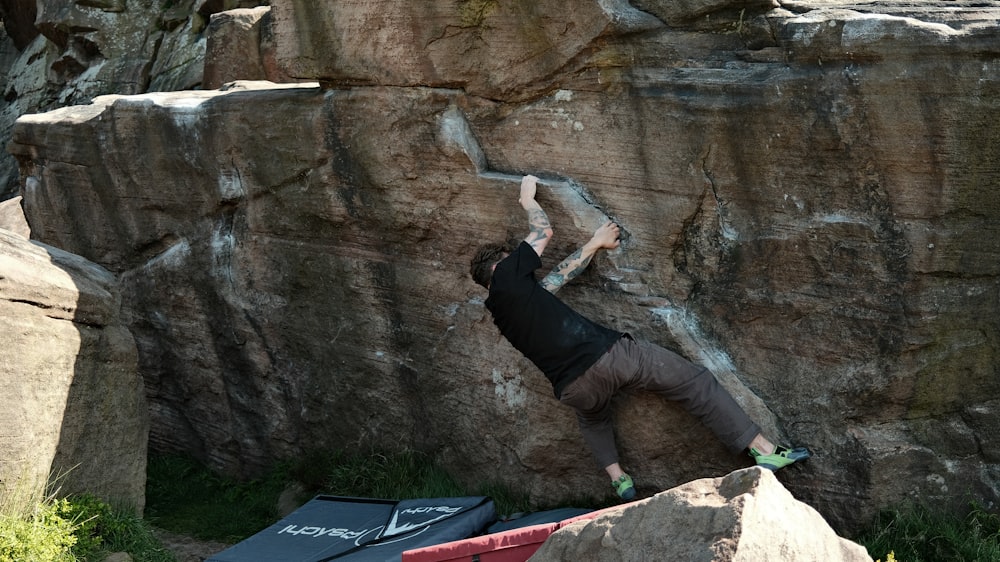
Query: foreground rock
x: 12, y: 218
x: 747, y: 516
x: 71, y: 402
x: 809, y: 210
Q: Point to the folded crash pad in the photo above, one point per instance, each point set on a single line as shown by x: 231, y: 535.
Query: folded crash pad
x: 332, y: 528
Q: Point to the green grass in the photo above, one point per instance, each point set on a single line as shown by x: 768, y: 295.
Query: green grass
x: 102, y: 530
x: 39, y: 534
x: 919, y: 534
x: 407, y: 475
x: 184, y: 497
x: 76, y: 528
x: 377, y: 475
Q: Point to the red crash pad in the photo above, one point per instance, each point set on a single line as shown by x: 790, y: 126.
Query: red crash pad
x: 515, y: 545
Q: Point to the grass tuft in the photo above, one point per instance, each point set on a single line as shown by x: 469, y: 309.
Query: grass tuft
x: 102, y: 530
x: 186, y: 498
x: 75, y: 528
x: 919, y: 534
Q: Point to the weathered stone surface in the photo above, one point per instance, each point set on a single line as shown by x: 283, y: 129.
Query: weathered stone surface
x: 704, y: 13
x: 233, y: 50
x: 808, y: 206
x: 93, y: 47
x: 116, y: 43
x: 747, y: 516
x: 499, y: 50
x: 22, y: 83
x: 73, y: 405
x: 83, y: 50
x: 19, y: 21
x: 240, y: 47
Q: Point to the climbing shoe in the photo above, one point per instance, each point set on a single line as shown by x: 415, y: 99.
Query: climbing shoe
x: 780, y: 458
x: 624, y: 487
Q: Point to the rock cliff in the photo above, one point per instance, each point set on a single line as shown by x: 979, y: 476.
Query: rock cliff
x: 807, y: 192
x: 71, y: 400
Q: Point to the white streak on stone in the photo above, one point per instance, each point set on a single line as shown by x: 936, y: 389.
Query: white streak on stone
x: 837, y: 218
x: 564, y: 95
x: 230, y: 185
x: 703, y: 351
x: 727, y: 231
x: 511, y: 392
x: 626, y: 18
x: 173, y: 257
x: 686, y: 330
x: 187, y: 118
x: 871, y: 28
x: 222, y: 244
x: 457, y: 133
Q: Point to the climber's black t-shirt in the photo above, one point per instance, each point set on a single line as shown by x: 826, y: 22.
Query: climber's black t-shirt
x: 559, y: 341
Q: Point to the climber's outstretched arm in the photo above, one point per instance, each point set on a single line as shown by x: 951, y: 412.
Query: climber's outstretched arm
x: 538, y: 222
x: 605, y: 238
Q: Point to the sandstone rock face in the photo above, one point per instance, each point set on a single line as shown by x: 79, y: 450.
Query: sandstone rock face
x: 72, y: 400
x: 12, y: 218
x: 489, y: 48
x: 240, y: 46
x: 808, y: 209
x: 747, y: 516
x: 59, y: 52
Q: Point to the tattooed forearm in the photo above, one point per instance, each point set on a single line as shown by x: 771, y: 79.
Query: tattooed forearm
x: 538, y: 220
x: 539, y: 227
x: 568, y: 269
x: 553, y: 281
x: 605, y: 238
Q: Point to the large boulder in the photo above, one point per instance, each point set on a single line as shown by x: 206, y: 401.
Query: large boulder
x: 808, y: 209
x: 72, y: 405
x: 240, y: 46
x: 322, y: 271
x: 746, y: 516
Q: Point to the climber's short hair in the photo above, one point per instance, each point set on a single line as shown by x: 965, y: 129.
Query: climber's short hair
x: 481, y: 266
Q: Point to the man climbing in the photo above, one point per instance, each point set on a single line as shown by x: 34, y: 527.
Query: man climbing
x: 587, y: 363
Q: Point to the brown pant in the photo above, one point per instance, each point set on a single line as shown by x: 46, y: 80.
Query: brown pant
x: 634, y: 365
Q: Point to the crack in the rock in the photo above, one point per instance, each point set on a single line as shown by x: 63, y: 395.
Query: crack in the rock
x: 35, y: 304
x: 725, y: 229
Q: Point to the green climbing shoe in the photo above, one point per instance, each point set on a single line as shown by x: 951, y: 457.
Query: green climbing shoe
x: 780, y: 458
x: 624, y: 487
